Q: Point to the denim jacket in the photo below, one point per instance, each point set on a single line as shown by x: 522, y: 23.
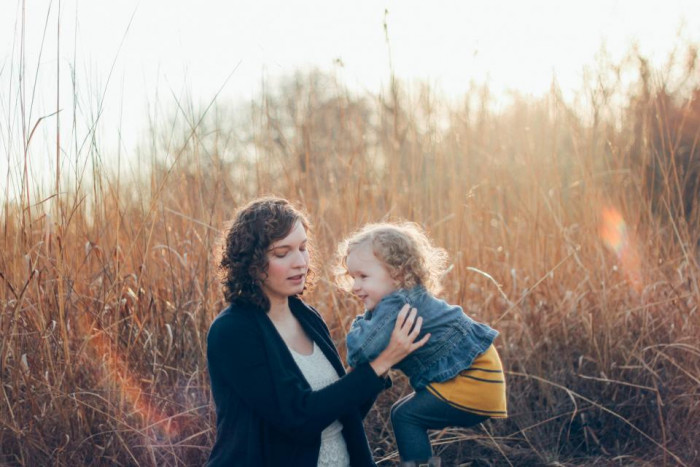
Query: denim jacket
x: 455, y: 341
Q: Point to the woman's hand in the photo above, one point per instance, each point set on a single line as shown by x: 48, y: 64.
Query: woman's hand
x: 402, y: 341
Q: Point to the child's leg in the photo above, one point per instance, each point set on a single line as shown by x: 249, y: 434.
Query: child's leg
x: 415, y: 414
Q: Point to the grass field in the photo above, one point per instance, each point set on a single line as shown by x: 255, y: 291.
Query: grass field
x: 572, y: 228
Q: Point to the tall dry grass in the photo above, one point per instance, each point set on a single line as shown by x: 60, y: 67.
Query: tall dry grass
x: 574, y: 233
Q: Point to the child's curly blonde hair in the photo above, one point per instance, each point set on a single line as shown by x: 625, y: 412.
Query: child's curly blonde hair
x: 404, y: 248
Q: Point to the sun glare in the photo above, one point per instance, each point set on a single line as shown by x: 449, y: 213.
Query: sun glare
x: 131, y: 394
x: 615, y: 234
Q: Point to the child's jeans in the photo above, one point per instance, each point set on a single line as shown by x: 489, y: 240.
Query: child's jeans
x: 416, y: 413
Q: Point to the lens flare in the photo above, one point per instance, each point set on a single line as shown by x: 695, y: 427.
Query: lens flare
x: 131, y: 393
x: 616, y: 236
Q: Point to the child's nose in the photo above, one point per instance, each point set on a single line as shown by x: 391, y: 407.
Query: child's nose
x: 355, y: 285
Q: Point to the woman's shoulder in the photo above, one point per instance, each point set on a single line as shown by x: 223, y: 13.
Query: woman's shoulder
x: 235, y: 318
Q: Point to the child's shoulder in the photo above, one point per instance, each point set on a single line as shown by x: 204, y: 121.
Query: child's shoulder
x: 394, y: 301
x: 413, y: 296
x: 397, y: 297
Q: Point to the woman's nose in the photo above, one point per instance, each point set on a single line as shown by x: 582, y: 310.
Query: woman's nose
x: 301, y: 258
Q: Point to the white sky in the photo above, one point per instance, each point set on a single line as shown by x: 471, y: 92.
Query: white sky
x: 192, y: 46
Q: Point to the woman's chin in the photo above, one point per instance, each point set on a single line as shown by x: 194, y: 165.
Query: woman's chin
x: 296, y: 289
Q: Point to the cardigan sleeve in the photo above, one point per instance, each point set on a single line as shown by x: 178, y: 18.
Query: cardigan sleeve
x: 367, y: 405
x: 237, y: 355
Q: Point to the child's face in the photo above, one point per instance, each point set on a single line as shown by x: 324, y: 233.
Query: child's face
x: 371, y: 280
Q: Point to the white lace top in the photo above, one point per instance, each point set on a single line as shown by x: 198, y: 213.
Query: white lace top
x: 319, y: 373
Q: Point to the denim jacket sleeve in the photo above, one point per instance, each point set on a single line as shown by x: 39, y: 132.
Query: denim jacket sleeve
x: 370, y: 333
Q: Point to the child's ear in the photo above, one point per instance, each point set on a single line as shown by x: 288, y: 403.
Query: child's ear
x: 394, y: 274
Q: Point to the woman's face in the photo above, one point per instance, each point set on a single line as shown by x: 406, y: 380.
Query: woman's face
x: 288, y: 263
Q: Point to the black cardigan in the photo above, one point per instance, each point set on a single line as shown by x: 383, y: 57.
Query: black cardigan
x: 266, y: 412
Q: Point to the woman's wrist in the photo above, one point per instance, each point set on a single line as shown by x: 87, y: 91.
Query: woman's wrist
x: 380, y: 366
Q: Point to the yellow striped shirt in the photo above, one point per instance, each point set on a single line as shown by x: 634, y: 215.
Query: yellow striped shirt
x: 480, y: 389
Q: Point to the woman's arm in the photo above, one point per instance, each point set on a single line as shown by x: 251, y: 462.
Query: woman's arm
x: 239, y: 362
x: 237, y: 359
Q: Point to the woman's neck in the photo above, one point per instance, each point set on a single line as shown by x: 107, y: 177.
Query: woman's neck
x: 289, y: 328
x: 279, y: 310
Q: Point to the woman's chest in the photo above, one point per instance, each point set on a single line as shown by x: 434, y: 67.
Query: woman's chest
x: 294, y: 336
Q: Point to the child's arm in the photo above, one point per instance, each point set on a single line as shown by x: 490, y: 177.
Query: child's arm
x: 370, y: 333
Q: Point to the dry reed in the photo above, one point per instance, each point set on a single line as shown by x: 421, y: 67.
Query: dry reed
x: 108, y: 287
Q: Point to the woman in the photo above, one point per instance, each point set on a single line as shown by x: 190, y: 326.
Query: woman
x: 281, y: 393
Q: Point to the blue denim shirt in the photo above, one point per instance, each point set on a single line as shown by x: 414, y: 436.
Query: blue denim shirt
x: 455, y: 341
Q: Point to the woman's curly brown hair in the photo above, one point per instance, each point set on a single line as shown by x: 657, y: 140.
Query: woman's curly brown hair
x: 404, y: 248
x: 243, y: 264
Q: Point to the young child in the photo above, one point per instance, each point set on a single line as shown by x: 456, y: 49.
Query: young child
x: 457, y: 375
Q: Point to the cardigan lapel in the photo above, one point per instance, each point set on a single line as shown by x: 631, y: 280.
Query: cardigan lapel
x: 313, y: 326
x: 316, y: 329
